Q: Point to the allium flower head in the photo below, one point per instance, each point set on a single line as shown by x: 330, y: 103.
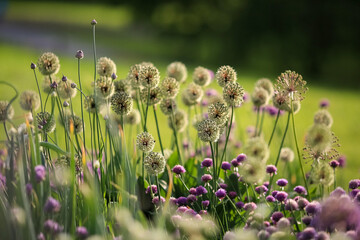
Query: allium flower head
x: 324, y: 103
x: 219, y: 112
x: 133, y: 75
x: 207, y: 162
x: 319, y: 138
x: 79, y: 54
x: 291, y: 82
x: 178, y: 71
x: 286, y: 154
x: 201, y: 76
x: 122, y: 85
x: 105, y: 67
x: 178, y: 169
x: 46, y: 122
x: 76, y: 121
x: 225, y: 75
x: 149, y: 76
x: 225, y: 166
x: 208, y: 131
x: 281, y: 100
x: 271, y: 169
x: 257, y: 148
x: 260, y: 97
x: 52, y: 227
x: 145, y: 142
x: 154, y: 163
x: 168, y: 106
x: 40, y: 173
x: 282, y: 182
x: 121, y: 103
x: 90, y: 104
x: 200, y: 190
x: 252, y: 170
x: 81, y: 232
x: 206, y: 178
x: 322, y: 174
x: 233, y: 94
x: 153, y: 189
x: 276, y: 216
x: 241, y: 157
x: 46, y: 84
x: 180, y: 121
x: 48, y: 63
x: 133, y: 117
x: 323, y: 117
x: 29, y: 100
x: 169, y: 87
x: 153, y: 95
x: 52, y: 205
x: 221, y: 193
x: 104, y: 87
x: 300, y: 190
x: 251, y: 206
x: 194, y: 92
x: 6, y: 111
x: 65, y: 90
x: 266, y: 84
x: 281, y: 196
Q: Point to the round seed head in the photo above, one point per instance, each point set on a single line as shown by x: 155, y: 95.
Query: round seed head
x: 260, y: 97
x: 219, y: 112
x: 194, y: 92
x: 76, y: 121
x: 233, y: 94
x: 168, y: 106
x: 153, y: 95
x: 169, y: 87
x: 286, y: 155
x: 186, y: 99
x: 105, y: 67
x: 121, y: 103
x: 208, y: 130
x: 133, y: 117
x: 79, y: 54
x: 65, y: 90
x: 6, y: 111
x: 252, y: 170
x: 281, y: 101
x: 178, y: 71
x: 257, y: 148
x: 46, y: 122
x: 180, y: 120
x: 201, y: 76
x: 154, y: 163
x: 90, y: 104
x: 291, y: 82
x: 145, y: 142
x: 133, y: 75
x: 322, y: 173
x: 122, y: 85
x: 319, y: 138
x: 225, y: 75
x: 48, y: 64
x: 323, y: 117
x: 149, y: 76
x: 29, y: 100
x: 104, y: 87
x: 266, y: 84
x: 46, y: 85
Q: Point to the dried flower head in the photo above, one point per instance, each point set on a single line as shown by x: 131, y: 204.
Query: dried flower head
x: 260, y: 97
x: 180, y: 120
x: 76, y: 121
x: 168, y: 106
x: 225, y: 75
x: 90, y: 104
x: 105, y: 67
x: 6, y: 111
x: 322, y: 174
x: 29, y: 100
x: 201, y: 76
x: 219, y: 112
x: 186, y: 99
x: 291, y: 82
x: 194, y: 92
x: 149, y: 76
x: 252, y: 170
x: 178, y: 71
x: 145, y: 142
x: 48, y: 64
x: 65, y: 90
x: 133, y: 117
x: 319, y: 138
x: 122, y: 85
x: 282, y: 100
x: 133, y: 75
x: 169, y: 87
x: 266, y: 84
x: 257, y: 148
x: 46, y: 122
x: 154, y: 163
x: 323, y: 117
x: 233, y: 94
x: 286, y: 154
x: 208, y: 130
x: 121, y: 103
x: 153, y: 95
x: 104, y: 87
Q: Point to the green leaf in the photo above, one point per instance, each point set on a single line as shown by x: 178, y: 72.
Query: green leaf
x: 54, y: 148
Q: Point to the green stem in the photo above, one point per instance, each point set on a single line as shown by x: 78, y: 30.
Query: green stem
x: 274, y: 128
x: 81, y: 103
x: 257, y: 120
x: 158, y: 130
x: 176, y: 139
x: 228, y: 133
x: 261, y: 122
x: 147, y: 108
x: 37, y: 83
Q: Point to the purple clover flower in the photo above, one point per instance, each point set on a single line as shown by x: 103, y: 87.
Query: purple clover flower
x: 251, y: 206
x: 226, y: 166
x: 221, y: 193
x: 281, y: 196
x: 271, y: 169
x: 241, y: 157
x: 276, y: 216
x: 40, y: 173
x: 178, y: 169
x: 206, y: 178
x: 207, y: 162
x: 153, y: 189
x: 52, y: 205
x: 239, y: 205
x: 300, y: 190
x: 200, y: 190
x: 82, y: 232
x: 205, y: 203
x: 282, y: 182
x: 181, y: 201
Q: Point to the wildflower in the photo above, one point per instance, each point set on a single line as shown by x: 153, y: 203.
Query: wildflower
x: 300, y: 190
x: 323, y: 117
x: 93, y: 22
x: 302, y: 202
x: 225, y: 75
x: 133, y: 75
x: 28, y: 189
x: 291, y: 82
x: 201, y: 76
x: 46, y: 121
x: 186, y: 99
x: 40, y: 173
x: 241, y: 157
x: 319, y: 138
x: 291, y: 205
x: 251, y: 206
x: 235, y: 163
x: 226, y: 166
x: 223, y: 185
x: 6, y: 111
x: 121, y: 103
x: 271, y: 169
x: 182, y: 201
x: 192, y: 191
x: 270, y: 198
x: 169, y: 87
x: 33, y: 66
x: 266, y: 84
x: 324, y: 103
x: 221, y: 193
x: 282, y: 101
x: 334, y: 164
x: 257, y: 148
x: 205, y: 203
x: 81, y: 232
x: 145, y: 142
x: 104, y: 87
x: 281, y: 196
x: 276, y: 216
x: 194, y: 93
x: 207, y: 162
x: 105, y: 67
x: 133, y: 117
x: 206, y: 178
x: 155, y: 200
x: 286, y: 154
x: 208, y: 131
x: 151, y: 96
x: 29, y: 100
x: 282, y: 182
x: 149, y: 76
x: 219, y: 112
x: 233, y: 94
x: 122, y: 85
x: 353, y: 184
x: 261, y: 189
x: 191, y: 198
x: 342, y: 161
x: 52, y: 205
x: 180, y: 121
x: 273, y: 111
x: 52, y: 227
x: 252, y: 170
x: 313, y: 207
x: 153, y: 189
x: 90, y: 104
x: 77, y: 123
x: 154, y: 163
x: 260, y: 97
x: 65, y: 90
x: 48, y: 64
x: 66, y: 104
x: 178, y: 71
x: 79, y: 54
x: 178, y: 170
x: 322, y: 174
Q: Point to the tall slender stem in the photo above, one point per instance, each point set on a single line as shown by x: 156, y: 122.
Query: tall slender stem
x: 262, y: 121
x: 81, y: 103
x: 37, y: 83
x: 175, y: 136
x: 257, y: 120
x: 158, y: 130
x: 274, y: 128
x: 228, y: 133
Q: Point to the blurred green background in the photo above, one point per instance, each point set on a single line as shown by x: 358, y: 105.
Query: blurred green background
x: 318, y: 39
